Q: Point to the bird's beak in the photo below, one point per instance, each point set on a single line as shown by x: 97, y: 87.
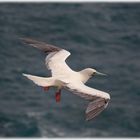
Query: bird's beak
x: 101, y: 73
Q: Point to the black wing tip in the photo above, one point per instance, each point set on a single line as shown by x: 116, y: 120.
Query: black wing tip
x: 47, y: 48
x: 28, y: 40
x: 93, y: 114
x: 97, y: 109
x: 23, y: 38
x: 87, y: 119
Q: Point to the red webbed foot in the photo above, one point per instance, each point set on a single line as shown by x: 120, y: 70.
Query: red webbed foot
x: 46, y: 88
x: 58, y: 96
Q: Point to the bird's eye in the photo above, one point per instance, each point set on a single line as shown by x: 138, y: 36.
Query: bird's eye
x: 93, y: 73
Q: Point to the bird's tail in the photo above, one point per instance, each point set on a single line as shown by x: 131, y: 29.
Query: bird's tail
x: 40, y: 81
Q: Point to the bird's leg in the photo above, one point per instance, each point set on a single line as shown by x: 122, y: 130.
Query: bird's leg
x: 46, y: 88
x: 58, y: 95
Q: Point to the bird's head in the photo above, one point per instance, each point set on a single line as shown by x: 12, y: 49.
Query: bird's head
x: 91, y: 72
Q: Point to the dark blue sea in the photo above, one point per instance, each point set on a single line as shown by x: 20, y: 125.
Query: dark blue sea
x: 104, y: 36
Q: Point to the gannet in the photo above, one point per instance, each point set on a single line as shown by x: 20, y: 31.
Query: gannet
x: 63, y: 77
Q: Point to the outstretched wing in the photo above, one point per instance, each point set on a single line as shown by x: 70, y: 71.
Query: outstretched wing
x: 47, y: 48
x: 55, y: 60
x: 99, y: 99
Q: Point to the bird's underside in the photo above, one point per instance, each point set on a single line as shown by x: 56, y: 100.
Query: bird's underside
x: 64, y: 77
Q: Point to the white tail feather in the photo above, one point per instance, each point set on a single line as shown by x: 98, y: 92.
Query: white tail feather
x: 40, y: 81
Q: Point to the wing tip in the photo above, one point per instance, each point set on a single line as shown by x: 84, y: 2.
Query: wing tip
x: 47, y: 48
x: 95, y: 108
x: 28, y: 40
x: 87, y: 119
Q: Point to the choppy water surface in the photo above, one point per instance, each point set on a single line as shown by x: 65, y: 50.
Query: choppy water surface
x: 102, y: 36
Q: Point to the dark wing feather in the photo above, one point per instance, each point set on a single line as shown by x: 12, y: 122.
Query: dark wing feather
x: 47, y: 48
x: 95, y: 108
x: 55, y: 59
x: 99, y: 99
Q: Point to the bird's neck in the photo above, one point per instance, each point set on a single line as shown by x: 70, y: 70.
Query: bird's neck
x: 85, y: 76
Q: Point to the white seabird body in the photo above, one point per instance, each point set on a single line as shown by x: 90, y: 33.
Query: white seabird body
x: 64, y: 77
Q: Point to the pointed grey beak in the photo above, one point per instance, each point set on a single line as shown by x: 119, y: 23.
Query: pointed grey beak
x: 101, y: 73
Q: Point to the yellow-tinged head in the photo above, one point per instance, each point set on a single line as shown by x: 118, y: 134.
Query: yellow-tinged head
x: 91, y: 72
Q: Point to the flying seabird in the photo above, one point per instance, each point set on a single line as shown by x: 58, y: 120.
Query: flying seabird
x: 64, y: 77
